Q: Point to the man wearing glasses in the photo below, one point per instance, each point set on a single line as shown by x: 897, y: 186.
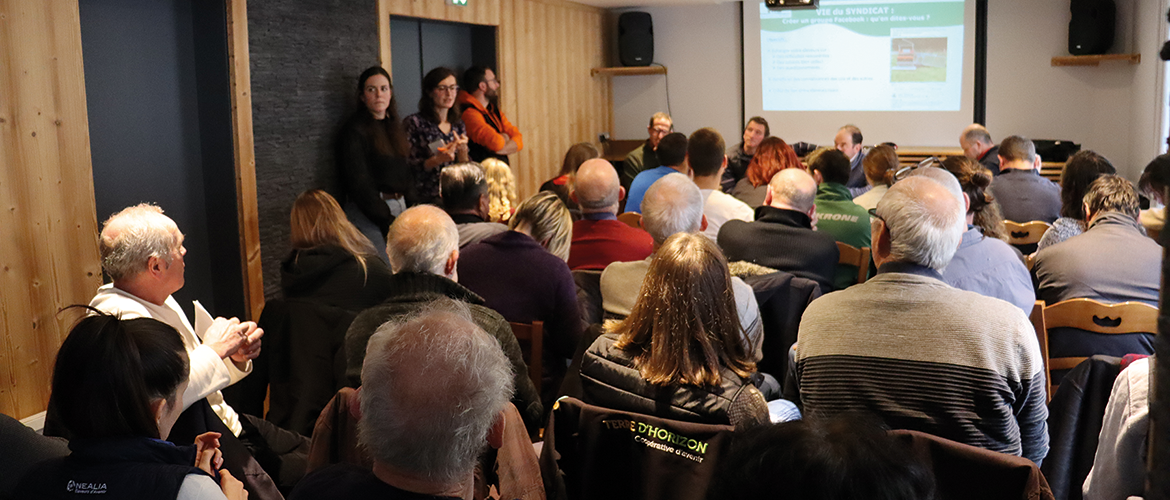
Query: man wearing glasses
x: 489, y: 132
x: 645, y: 157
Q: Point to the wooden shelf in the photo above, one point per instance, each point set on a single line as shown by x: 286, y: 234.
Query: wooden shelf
x: 629, y: 70
x: 1095, y: 60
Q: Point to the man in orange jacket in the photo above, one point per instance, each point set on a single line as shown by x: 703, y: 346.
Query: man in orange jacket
x: 490, y: 134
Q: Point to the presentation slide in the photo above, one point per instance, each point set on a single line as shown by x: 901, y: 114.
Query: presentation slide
x: 887, y: 56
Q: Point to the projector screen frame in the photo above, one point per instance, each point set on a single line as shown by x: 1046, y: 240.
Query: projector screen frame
x: 979, y: 73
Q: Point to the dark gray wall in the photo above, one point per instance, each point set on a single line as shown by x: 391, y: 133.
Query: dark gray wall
x: 306, y: 56
x: 159, y: 119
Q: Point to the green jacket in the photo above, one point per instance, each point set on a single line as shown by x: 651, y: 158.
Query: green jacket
x: 845, y: 221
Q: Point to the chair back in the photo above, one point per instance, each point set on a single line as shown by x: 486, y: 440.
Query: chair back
x: 531, y: 337
x: 594, y: 452
x: 632, y: 219
x: 1091, y: 316
x: 1025, y: 233
x: 964, y: 472
x: 853, y: 256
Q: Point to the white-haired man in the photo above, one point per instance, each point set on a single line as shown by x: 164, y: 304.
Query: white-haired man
x: 423, y: 246
x: 782, y: 237
x: 977, y: 145
x: 142, y: 252
x: 673, y: 205
x: 917, y: 353
x: 436, y: 390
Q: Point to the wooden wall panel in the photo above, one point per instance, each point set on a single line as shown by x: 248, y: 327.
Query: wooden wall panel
x: 48, y: 252
x: 245, y: 157
x: 545, y: 49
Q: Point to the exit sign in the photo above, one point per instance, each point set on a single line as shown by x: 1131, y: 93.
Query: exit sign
x: 458, y: 3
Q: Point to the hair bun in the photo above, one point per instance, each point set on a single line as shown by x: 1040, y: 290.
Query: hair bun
x: 981, y: 179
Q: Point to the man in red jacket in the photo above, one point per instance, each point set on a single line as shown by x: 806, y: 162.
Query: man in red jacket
x: 490, y: 134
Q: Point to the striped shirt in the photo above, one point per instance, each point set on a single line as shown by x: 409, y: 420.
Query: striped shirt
x: 922, y: 355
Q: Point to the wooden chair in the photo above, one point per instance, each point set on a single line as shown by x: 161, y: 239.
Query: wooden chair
x: 632, y: 219
x: 1092, y: 316
x: 1026, y: 233
x: 853, y: 256
x: 531, y: 337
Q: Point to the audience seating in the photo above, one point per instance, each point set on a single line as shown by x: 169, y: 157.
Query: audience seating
x: 1025, y: 235
x: 782, y: 298
x: 632, y: 219
x: 593, y: 452
x: 963, y: 472
x: 853, y: 256
x: 1092, y: 316
x: 1075, y: 416
x: 531, y: 337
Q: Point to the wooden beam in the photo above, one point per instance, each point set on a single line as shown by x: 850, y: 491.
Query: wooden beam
x: 245, y: 156
x: 384, y: 36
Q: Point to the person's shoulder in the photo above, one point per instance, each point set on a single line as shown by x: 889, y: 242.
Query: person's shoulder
x: 111, y: 300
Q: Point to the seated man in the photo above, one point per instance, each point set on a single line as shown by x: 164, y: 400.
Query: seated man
x: 1024, y: 195
x: 849, y: 141
x: 142, y: 251
x: 1111, y: 262
x: 645, y: 157
x: 708, y: 163
x: 977, y: 145
x: 918, y: 354
x: 423, y: 246
x: 740, y: 155
x: 464, y: 191
x: 599, y: 238
x: 435, y: 395
x: 836, y: 214
x: 672, y: 152
x: 673, y: 205
x: 782, y: 237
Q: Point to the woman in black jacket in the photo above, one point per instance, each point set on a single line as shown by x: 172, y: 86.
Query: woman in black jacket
x: 371, y: 158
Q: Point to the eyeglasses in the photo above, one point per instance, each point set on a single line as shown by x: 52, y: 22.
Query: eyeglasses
x: 873, y: 213
x: 447, y: 88
x: 904, y: 172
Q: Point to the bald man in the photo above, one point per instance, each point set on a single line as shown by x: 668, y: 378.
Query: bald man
x: 423, y: 246
x: 917, y: 353
x: 977, y: 145
x: 599, y: 238
x: 782, y: 236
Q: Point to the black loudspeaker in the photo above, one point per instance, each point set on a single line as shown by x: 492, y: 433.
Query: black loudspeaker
x: 1091, y: 29
x: 635, y: 39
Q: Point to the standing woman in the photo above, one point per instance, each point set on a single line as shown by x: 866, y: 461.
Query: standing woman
x: 371, y: 158
x: 436, y: 133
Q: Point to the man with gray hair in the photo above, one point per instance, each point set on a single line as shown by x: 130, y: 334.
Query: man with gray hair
x: 782, y: 236
x: 437, y: 388
x: 423, y: 246
x: 599, y: 238
x: 464, y: 190
x: 672, y: 205
x: 1024, y: 195
x: 1088, y: 266
x: 977, y: 145
x: 917, y: 353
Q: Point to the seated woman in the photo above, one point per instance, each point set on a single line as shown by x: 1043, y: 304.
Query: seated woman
x: 117, y: 386
x: 984, y: 263
x: 681, y: 353
x: 562, y: 184
x: 1079, y: 172
x: 522, y: 275
x: 772, y: 155
x: 331, y: 262
x: 1153, y: 184
x: 879, y: 165
x: 501, y: 190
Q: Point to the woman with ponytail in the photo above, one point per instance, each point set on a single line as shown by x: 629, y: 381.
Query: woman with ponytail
x: 985, y: 263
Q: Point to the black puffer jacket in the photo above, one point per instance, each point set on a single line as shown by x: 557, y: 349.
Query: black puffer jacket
x: 609, y: 379
x: 333, y: 277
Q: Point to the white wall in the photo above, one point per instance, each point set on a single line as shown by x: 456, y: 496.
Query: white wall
x: 700, y: 47
x: 1115, y: 109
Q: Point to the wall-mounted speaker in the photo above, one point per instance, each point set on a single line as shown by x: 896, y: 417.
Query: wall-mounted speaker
x: 1091, y: 29
x: 635, y: 39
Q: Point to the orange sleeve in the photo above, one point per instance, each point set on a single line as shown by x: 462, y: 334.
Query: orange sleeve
x: 512, y: 132
x: 479, y: 132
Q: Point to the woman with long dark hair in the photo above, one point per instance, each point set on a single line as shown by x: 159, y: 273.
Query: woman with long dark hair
x: 437, y: 135
x: 118, y: 388
x: 371, y: 158
x: 562, y: 184
x: 1079, y: 172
